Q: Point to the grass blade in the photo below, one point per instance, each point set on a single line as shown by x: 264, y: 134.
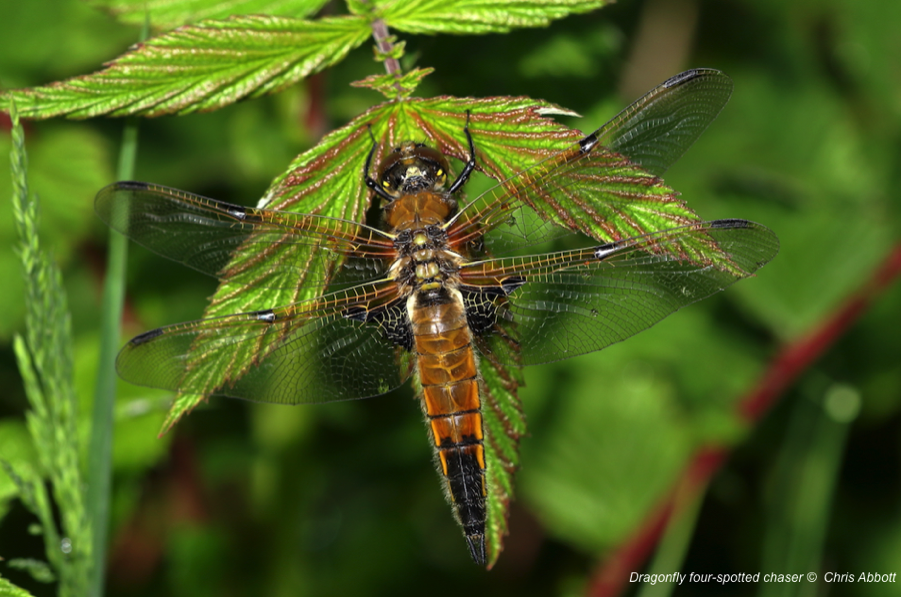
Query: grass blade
x: 101, y: 442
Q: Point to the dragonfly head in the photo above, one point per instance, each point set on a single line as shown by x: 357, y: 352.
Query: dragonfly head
x: 411, y: 168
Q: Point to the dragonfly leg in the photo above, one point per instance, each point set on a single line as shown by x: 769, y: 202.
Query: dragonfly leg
x: 470, y: 164
x: 372, y: 184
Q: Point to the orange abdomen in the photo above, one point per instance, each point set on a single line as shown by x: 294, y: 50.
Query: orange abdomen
x: 447, y: 370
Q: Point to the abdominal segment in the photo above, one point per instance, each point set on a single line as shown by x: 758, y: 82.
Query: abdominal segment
x: 450, y: 399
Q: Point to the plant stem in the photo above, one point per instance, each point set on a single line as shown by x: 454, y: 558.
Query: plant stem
x: 675, y: 542
x: 380, y: 34
x: 101, y: 442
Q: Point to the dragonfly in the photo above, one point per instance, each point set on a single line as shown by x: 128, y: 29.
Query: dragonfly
x: 425, y: 290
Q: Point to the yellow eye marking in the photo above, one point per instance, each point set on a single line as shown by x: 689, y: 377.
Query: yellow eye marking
x: 440, y: 172
x: 386, y: 184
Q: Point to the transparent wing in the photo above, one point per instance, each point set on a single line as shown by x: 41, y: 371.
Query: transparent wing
x: 606, y: 185
x: 659, y: 127
x: 225, y: 240
x: 573, y: 302
x: 312, y: 351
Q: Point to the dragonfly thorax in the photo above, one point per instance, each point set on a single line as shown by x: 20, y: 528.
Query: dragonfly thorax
x: 419, y: 210
x: 425, y: 262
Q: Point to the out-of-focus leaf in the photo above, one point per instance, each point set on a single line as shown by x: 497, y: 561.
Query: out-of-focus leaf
x: 868, y: 49
x: 35, y: 47
x: 200, y: 67
x: 478, y: 16
x: 7, y: 589
x: 567, y: 55
x: 599, y: 461
x: 577, y: 487
x: 814, y: 179
x: 37, y: 569
x: 166, y: 14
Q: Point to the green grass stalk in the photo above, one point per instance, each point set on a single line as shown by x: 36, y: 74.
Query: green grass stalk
x: 675, y: 542
x: 45, y: 360
x: 803, y: 488
x: 101, y: 443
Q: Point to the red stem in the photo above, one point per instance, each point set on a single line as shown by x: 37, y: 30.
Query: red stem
x: 380, y: 34
x: 613, y: 575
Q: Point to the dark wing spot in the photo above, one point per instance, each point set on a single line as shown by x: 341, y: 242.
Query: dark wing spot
x: 132, y: 185
x: 146, y: 337
x: 730, y: 224
x: 682, y: 78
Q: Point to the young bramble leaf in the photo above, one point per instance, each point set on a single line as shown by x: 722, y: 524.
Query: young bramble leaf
x: 200, y: 67
x: 395, y: 87
x: 165, y: 14
x: 479, y: 16
x: 511, y: 135
x: 334, y: 169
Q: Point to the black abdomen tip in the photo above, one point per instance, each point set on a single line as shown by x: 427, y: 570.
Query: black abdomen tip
x: 476, y: 545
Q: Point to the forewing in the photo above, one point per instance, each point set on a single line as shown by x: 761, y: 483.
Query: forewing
x: 573, y: 302
x: 607, y: 185
x: 302, y: 353
x: 655, y: 130
x: 224, y: 240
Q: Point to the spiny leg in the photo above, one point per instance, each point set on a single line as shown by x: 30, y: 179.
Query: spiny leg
x: 372, y: 184
x: 470, y: 164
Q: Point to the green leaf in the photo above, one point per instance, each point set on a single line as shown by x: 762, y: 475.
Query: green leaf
x: 511, y: 135
x: 605, y: 456
x: 395, y: 87
x: 504, y: 424
x: 200, y: 67
x: 7, y: 589
x: 334, y: 169
x: 479, y: 16
x: 166, y: 14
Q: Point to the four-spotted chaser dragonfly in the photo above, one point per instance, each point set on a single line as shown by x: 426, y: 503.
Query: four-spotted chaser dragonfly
x: 430, y: 284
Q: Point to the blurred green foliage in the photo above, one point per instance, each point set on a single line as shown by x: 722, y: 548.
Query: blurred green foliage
x: 247, y: 499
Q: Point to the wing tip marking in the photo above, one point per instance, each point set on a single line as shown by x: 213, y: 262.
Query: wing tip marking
x: 146, y: 337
